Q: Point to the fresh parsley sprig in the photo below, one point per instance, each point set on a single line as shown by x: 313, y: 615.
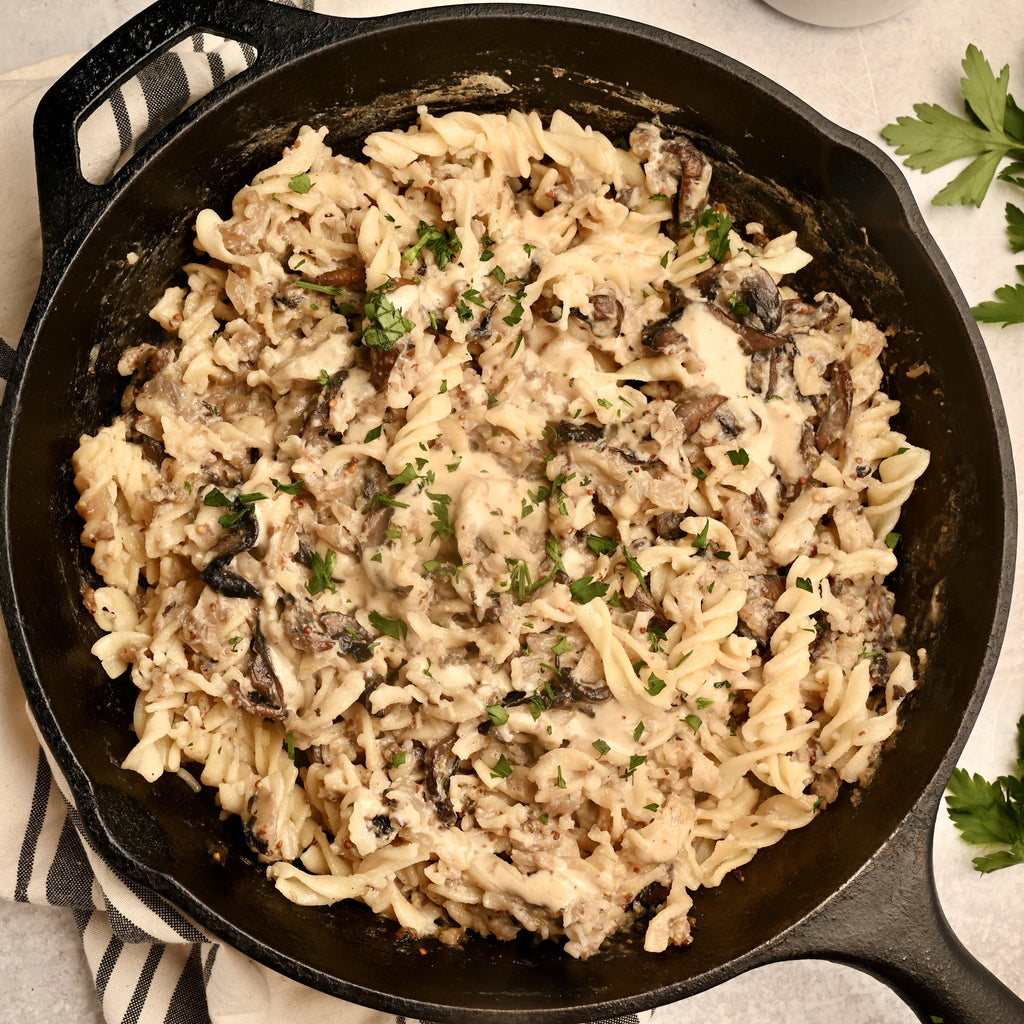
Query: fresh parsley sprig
x: 992, y: 131
x: 991, y: 813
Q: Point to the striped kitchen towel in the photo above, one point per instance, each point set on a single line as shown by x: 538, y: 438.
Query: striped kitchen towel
x: 150, y: 963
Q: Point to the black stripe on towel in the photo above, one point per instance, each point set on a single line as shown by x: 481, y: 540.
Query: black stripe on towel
x: 107, y: 964
x: 138, y: 1001
x: 188, y: 1002
x: 69, y: 880
x: 36, y: 817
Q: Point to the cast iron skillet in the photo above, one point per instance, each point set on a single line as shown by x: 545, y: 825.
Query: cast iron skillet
x: 856, y: 885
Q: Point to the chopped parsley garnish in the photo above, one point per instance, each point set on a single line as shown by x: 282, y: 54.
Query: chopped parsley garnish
x: 242, y: 506
x: 803, y: 583
x: 502, y: 769
x: 601, y: 545
x: 636, y: 569
x: 398, y: 759
x: 516, y: 316
x: 327, y: 289
x: 497, y: 714
x: 892, y: 539
x: 601, y: 747
x: 445, y: 245
x: 701, y: 540
x: 394, y: 628
x: 301, y: 183
x: 585, y: 589
x: 387, y: 324
x: 289, y: 739
x: 635, y: 760
x: 693, y: 721
x: 292, y: 488
x: 638, y: 731
x: 559, y: 780
x: 322, y: 569
x: 441, y: 526
x: 656, y: 635
x: 655, y: 684
x: 718, y: 226
x: 561, y: 647
x: 373, y: 434
x: 738, y: 456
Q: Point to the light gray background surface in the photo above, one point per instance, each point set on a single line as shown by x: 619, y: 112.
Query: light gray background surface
x: 862, y: 79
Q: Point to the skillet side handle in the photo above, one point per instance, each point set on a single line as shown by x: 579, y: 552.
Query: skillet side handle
x: 888, y: 923
x: 66, y: 197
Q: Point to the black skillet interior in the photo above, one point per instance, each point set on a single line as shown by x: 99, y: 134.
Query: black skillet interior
x: 779, y: 163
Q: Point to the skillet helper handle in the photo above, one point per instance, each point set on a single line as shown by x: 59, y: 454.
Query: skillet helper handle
x: 67, y: 198
x: 888, y: 923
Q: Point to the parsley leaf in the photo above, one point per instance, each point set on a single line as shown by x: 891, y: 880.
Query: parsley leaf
x: 718, y: 226
x: 387, y: 323
x: 322, y: 568
x: 585, y: 589
x: 394, y: 628
x: 301, y: 183
x: 937, y: 137
x: 1007, y: 307
x: 445, y: 245
x: 991, y: 812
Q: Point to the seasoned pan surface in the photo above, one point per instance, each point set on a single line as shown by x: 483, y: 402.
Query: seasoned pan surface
x: 780, y: 164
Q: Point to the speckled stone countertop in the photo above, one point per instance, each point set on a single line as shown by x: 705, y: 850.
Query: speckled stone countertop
x: 862, y: 79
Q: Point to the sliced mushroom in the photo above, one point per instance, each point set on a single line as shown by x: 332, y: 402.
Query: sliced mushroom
x: 303, y: 629
x: 580, y: 431
x: 758, y: 612
x: 343, y: 277
x: 605, y: 319
x: 663, y: 335
x: 264, y: 696
x: 799, y: 316
x: 694, y: 407
x: 318, y: 420
x: 242, y: 536
x: 440, y: 764
x: 839, y: 404
x: 348, y: 634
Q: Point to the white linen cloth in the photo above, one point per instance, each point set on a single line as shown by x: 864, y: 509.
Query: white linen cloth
x: 150, y: 964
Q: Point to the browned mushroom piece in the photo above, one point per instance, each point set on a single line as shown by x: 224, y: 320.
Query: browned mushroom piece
x: 664, y: 336
x: 348, y: 634
x: 606, y: 313
x: 343, y: 277
x: 382, y: 362
x: 318, y: 419
x: 264, y: 696
x: 302, y: 627
x: 242, y: 536
x: 758, y: 611
x: 548, y: 308
x: 694, y: 407
x: 440, y: 764
x: 579, y: 430
x: 800, y: 317
x: 751, y: 338
x: 838, y: 406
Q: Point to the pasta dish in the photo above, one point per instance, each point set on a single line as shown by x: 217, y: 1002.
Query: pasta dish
x: 498, y: 533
